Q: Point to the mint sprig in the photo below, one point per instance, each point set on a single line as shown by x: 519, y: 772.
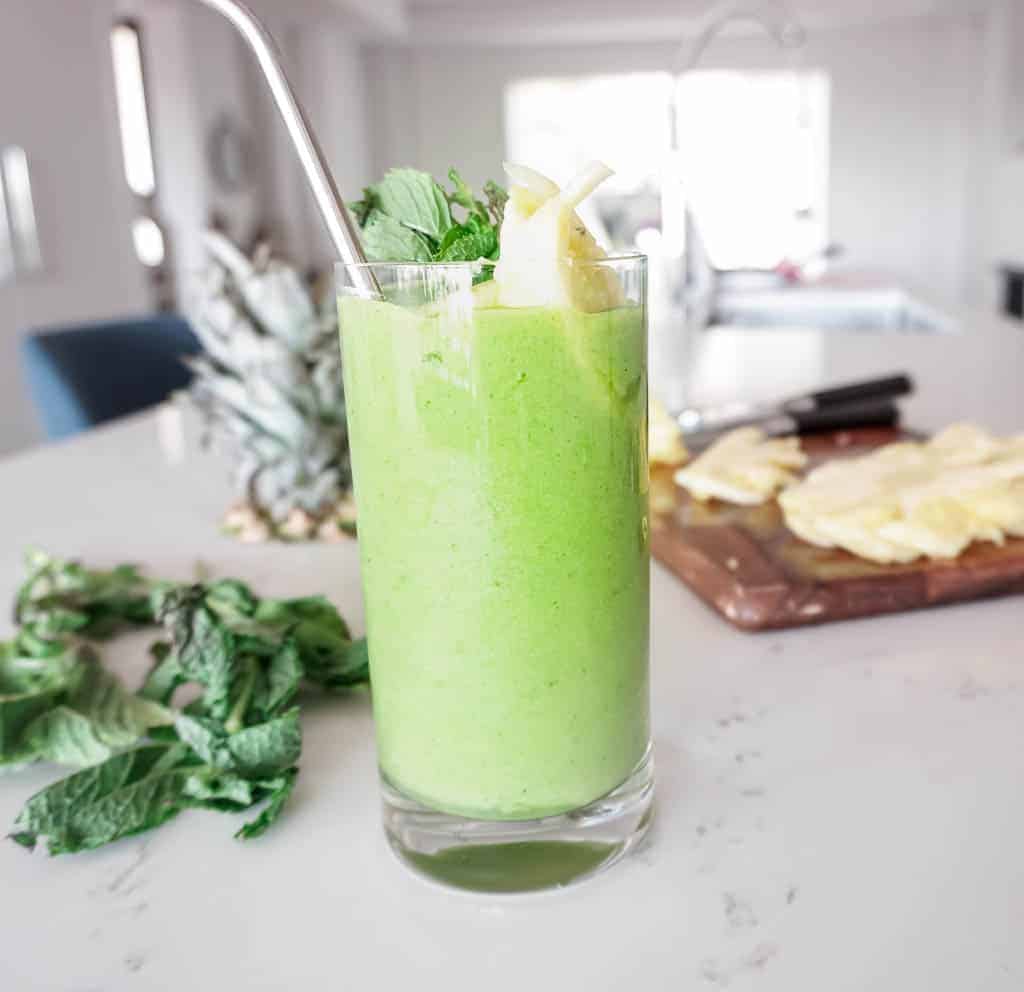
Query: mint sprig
x: 409, y: 217
x: 235, y: 746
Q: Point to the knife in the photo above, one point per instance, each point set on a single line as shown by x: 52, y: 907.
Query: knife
x: 843, y: 416
x: 705, y: 420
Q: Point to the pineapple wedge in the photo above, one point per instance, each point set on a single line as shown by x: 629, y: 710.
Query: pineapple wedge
x: 909, y: 500
x: 743, y: 467
x: 545, y: 247
x: 665, y: 440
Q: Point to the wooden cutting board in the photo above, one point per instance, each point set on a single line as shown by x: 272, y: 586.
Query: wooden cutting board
x: 745, y: 564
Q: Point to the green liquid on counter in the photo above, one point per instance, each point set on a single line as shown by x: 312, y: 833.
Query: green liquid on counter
x: 500, y: 464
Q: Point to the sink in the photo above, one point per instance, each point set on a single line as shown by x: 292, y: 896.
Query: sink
x: 830, y: 309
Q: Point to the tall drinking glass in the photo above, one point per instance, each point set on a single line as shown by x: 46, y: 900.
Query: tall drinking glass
x: 500, y: 465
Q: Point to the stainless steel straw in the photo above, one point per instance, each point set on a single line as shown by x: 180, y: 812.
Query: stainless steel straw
x: 332, y: 208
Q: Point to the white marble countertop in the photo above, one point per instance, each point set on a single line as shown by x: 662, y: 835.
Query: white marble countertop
x: 838, y: 808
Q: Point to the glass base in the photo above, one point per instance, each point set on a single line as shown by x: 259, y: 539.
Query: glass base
x: 520, y: 855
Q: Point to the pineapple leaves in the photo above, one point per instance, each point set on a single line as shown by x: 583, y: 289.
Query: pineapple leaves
x: 269, y: 388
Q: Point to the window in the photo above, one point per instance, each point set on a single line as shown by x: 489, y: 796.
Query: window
x: 132, y: 111
x: 136, y: 141
x: 753, y: 162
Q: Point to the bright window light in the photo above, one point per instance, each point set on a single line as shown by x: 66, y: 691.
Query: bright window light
x: 754, y: 163
x: 132, y: 112
x: 149, y: 241
x: 752, y: 168
x: 21, y: 211
x: 6, y: 246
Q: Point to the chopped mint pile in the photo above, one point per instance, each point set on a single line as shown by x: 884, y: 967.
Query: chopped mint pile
x: 236, y: 745
x: 408, y: 217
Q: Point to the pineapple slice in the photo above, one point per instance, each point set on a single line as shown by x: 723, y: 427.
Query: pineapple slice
x: 545, y: 247
x: 743, y: 467
x: 909, y: 500
x: 665, y: 441
x: 941, y: 528
x: 1001, y: 507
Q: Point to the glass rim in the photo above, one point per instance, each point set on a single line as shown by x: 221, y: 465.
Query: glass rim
x: 628, y: 256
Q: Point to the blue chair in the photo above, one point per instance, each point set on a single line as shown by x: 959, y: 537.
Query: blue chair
x: 79, y: 377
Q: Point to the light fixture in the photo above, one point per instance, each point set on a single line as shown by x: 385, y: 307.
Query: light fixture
x: 149, y: 242
x: 132, y: 112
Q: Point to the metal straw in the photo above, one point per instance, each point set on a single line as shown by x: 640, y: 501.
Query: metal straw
x: 340, y: 227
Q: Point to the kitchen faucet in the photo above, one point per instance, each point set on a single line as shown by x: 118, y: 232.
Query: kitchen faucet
x: 677, y: 224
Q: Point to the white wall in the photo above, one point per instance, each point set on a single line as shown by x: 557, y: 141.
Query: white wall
x: 901, y: 125
x: 56, y: 101
x: 998, y: 184
x: 200, y: 71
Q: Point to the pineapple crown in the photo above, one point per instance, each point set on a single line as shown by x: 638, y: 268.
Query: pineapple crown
x: 269, y: 385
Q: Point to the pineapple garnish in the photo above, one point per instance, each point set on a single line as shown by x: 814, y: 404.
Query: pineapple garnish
x: 545, y: 246
x: 910, y: 500
x: 743, y: 467
x: 665, y: 440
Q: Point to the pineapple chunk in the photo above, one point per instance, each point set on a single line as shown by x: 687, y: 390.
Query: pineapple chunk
x: 665, y: 440
x: 909, y: 500
x: 545, y: 247
x: 743, y: 467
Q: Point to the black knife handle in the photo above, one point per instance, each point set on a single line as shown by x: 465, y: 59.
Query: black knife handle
x: 855, y: 392
x: 877, y: 413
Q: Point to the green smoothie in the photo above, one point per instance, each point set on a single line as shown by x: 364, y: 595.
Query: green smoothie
x: 500, y: 465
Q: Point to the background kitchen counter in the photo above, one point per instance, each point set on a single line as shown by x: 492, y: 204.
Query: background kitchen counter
x: 838, y: 808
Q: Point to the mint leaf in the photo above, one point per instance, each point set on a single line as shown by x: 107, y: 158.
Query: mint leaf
x: 413, y: 199
x: 267, y: 748
x: 207, y: 738
x: 231, y: 600
x: 463, y: 196
x: 128, y: 793
x: 321, y: 637
x: 118, y: 718
x: 306, y: 616
x: 407, y: 217
x: 361, y: 208
x: 347, y: 667
x: 281, y: 789
x: 204, y: 647
x: 229, y: 749
x: 387, y: 240
x: 468, y: 242
x: 284, y: 673
x: 213, y: 789
x: 496, y: 200
x: 255, y: 752
x: 164, y: 677
x: 63, y: 596
x: 67, y: 737
x: 98, y: 716
x: 29, y: 643
x: 30, y: 687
